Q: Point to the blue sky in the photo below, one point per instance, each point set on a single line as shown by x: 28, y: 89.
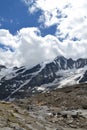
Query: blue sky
x: 33, y: 31
x: 14, y: 15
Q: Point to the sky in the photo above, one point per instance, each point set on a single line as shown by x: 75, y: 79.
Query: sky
x: 33, y: 31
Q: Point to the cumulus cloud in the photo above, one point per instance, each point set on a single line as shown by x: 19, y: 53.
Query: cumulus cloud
x: 7, y: 38
x: 69, y: 15
x: 70, y: 39
x: 31, y: 48
x: 71, y: 19
x: 34, y: 49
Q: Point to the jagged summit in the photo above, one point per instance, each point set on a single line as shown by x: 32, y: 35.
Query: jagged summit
x: 23, y: 81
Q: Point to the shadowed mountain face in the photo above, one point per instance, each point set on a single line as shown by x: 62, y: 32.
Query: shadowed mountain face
x: 2, y: 67
x: 22, y: 82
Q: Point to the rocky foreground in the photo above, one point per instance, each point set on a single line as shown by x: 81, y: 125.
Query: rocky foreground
x: 62, y: 109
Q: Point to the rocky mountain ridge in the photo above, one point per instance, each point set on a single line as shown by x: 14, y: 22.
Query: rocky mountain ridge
x: 22, y: 82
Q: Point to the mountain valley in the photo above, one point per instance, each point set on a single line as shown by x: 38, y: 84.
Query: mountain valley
x: 61, y: 109
x: 49, y: 96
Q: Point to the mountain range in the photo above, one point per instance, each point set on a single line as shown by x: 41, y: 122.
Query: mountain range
x: 24, y: 81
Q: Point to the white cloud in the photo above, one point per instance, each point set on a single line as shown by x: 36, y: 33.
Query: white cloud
x: 69, y: 15
x: 34, y: 49
x: 7, y: 38
x: 31, y: 48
